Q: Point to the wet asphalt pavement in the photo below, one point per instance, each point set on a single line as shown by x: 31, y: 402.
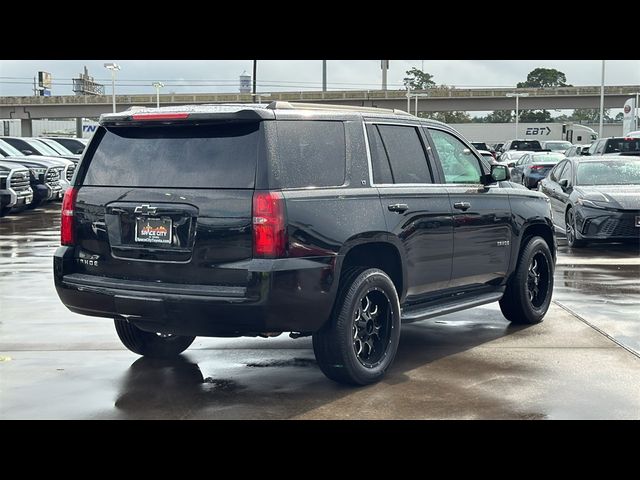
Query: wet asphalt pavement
x: 582, y: 362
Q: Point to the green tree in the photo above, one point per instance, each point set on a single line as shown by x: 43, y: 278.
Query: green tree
x: 535, y: 116
x: 447, y: 117
x: 543, y: 78
x: 588, y: 115
x: 416, y: 79
x: 500, y: 116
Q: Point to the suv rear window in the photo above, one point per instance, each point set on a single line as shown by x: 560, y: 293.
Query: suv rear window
x: 309, y: 154
x: 184, y: 156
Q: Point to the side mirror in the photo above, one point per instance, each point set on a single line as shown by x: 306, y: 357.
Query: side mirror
x: 500, y: 173
x: 564, y: 183
x: 511, y: 164
x: 27, y: 152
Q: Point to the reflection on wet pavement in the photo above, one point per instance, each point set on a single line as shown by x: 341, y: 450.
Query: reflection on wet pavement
x: 601, y: 283
x: 472, y: 364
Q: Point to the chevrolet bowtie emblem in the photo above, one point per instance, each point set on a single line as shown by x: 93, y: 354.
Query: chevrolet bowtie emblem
x: 145, y: 210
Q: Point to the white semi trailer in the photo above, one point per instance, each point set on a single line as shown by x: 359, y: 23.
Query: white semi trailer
x: 499, y: 132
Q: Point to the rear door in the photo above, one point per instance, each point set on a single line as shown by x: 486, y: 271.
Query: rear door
x: 168, y: 203
x: 417, y: 211
x: 481, y: 214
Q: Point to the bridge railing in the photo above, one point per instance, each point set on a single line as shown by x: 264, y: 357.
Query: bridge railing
x: 436, y: 92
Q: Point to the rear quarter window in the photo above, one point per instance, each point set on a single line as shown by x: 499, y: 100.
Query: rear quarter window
x: 185, y: 156
x: 308, y: 154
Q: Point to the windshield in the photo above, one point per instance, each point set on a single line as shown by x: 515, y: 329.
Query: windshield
x: 55, y: 146
x: 10, y: 150
x: 557, y: 145
x: 43, y: 148
x: 547, y: 158
x: 609, y: 172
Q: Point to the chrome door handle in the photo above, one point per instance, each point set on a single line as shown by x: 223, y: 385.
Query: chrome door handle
x: 462, y: 205
x: 398, y: 207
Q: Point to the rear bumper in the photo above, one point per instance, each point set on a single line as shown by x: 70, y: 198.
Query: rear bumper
x: 280, y: 295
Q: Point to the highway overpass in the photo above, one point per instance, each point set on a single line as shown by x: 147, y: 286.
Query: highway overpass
x: 439, y: 99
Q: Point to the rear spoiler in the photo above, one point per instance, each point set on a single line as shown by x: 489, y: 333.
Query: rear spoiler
x: 188, y: 113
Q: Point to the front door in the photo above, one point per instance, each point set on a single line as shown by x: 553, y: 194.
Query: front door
x: 481, y: 215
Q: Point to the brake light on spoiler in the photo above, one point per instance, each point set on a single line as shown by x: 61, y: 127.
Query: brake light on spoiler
x: 159, y: 116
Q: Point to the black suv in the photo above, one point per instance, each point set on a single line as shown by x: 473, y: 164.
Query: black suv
x: 341, y: 223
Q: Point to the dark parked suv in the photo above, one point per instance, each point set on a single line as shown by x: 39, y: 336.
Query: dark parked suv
x: 336, y: 222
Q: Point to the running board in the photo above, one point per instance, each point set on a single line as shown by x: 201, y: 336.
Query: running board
x: 415, y: 315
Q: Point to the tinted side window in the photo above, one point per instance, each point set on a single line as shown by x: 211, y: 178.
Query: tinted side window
x: 459, y: 164
x: 566, y: 173
x: 206, y: 156
x: 309, y: 154
x: 406, y: 154
x: 379, y: 157
x: 556, y: 171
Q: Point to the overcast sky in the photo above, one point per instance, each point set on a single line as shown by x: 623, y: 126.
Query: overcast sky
x: 183, y: 76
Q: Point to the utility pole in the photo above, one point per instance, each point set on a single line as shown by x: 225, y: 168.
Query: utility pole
x: 324, y: 75
x: 255, y: 72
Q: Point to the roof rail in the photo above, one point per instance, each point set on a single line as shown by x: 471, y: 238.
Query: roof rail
x: 281, y: 105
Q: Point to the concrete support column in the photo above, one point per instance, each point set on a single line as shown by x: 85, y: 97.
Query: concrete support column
x: 26, y: 127
x: 79, y: 127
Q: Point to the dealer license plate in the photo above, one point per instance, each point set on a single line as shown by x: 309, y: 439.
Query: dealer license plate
x: 153, y: 230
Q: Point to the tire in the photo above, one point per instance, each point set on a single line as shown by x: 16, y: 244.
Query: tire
x: 570, y: 228
x: 359, y: 342
x: 528, y: 293
x: 151, y: 344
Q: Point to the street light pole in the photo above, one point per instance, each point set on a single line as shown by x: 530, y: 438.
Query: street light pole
x: 113, y: 67
x: 255, y: 72
x: 158, y: 86
x: 517, y: 95
x: 601, y: 102
x: 635, y: 111
x: 408, y: 99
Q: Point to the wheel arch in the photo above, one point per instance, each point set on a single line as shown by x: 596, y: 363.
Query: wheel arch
x: 379, y: 251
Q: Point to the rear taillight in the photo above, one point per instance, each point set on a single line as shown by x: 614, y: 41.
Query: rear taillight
x: 269, y: 225
x: 537, y: 167
x: 67, y: 231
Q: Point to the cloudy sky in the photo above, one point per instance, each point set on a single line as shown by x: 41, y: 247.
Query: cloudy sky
x: 183, y: 76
